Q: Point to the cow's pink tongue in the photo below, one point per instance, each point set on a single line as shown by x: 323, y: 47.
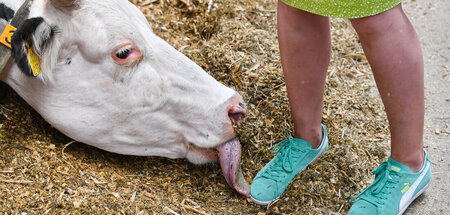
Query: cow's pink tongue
x: 230, y: 157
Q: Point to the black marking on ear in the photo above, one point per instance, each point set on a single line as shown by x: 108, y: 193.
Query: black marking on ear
x: 24, y: 35
x: 6, y: 13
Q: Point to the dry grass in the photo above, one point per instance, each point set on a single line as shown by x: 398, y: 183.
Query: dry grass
x: 236, y: 42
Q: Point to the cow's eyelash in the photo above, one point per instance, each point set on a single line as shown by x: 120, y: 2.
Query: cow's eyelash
x: 124, y: 52
x: 127, y: 54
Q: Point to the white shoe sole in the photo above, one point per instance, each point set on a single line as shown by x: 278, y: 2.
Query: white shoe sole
x: 413, y: 198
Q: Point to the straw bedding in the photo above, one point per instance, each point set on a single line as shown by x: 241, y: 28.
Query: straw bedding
x: 43, y: 172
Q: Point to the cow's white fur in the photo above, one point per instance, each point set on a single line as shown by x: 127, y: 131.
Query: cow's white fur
x: 165, y: 105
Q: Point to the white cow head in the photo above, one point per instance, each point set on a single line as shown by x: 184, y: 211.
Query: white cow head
x: 110, y: 82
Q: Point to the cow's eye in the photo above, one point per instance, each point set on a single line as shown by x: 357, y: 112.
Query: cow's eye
x: 127, y: 54
x: 124, y: 52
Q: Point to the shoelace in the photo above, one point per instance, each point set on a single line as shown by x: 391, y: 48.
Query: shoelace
x: 385, y: 180
x: 284, y: 159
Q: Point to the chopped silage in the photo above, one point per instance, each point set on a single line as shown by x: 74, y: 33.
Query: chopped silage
x: 236, y: 42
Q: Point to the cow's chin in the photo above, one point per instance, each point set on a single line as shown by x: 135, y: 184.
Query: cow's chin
x: 198, y: 155
x: 201, y: 155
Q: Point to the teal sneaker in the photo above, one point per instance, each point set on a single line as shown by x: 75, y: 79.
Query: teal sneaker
x: 293, y: 156
x: 393, y: 190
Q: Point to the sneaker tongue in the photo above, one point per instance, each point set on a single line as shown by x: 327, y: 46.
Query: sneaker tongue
x: 398, y: 167
x: 230, y: 157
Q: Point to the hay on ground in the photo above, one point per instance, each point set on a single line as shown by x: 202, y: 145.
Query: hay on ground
x: 236, y: 42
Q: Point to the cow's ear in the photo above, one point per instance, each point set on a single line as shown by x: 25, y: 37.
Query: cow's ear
x: 64, y: 3
x: 34, y: 34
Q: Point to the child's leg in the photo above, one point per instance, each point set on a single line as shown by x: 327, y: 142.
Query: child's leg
x: 393, y: 50
x: 305, y: 47
x: 304, y: 41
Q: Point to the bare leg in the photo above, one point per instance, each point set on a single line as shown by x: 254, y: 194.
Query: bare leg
x: 393, y: 50
x: 305, y: 47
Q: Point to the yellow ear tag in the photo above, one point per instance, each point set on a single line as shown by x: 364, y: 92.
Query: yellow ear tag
x: 5, y: 38
x: 34, y: 61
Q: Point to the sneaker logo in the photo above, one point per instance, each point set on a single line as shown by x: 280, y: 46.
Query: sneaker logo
x: 395, y: 168
x: 406, y: 188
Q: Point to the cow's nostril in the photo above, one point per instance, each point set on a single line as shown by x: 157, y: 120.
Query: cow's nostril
x: 237, y: 113
x: 237, y: 117
x: 242, y: 105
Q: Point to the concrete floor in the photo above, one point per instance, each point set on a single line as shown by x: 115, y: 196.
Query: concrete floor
x: 431, y: 18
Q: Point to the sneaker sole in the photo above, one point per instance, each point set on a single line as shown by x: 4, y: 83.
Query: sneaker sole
x: 315, y: 158
x: 262, y: 202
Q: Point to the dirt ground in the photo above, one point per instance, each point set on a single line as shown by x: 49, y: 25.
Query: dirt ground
x: 44, y: 172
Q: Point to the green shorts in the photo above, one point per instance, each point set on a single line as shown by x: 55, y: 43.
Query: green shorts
x: 344, y: 8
